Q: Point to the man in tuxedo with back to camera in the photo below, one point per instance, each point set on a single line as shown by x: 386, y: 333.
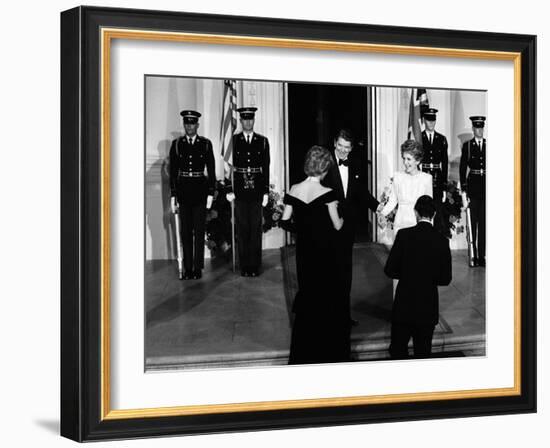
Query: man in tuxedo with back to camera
x: 348, y: 177
x: 191, y: 190
x: 420, y: 259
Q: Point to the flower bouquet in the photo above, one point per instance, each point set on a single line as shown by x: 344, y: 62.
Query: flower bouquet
x: 273, y: 211
x: 386, y: 222
x: 218, y: 221
x: 450, y: 211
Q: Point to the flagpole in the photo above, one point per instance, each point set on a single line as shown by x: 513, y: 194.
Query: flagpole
x: 229, y: 125
x: 233, y: 247
x: 233, y: 129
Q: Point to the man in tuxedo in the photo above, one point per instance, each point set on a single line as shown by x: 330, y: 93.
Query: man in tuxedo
x: 348, y: 177
x: 435, y: 160
x: 420, y: 260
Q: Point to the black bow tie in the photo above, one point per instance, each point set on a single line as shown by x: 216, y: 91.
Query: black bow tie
x: 343, y: 162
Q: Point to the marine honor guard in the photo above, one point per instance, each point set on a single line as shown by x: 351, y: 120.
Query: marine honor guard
x: 473, y: 169
x: 250, y: 191
x: 192, y: 190
x: 436, y: 159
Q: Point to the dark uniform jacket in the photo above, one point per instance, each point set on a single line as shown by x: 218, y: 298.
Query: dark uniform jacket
x: 254, y: 156
x: 436, y: 152
x: 473, y: 157
x: 185, y: 159
x: 358, y: 196
x: 421, y: 260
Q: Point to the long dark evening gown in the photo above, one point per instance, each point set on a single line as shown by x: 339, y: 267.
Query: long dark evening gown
x: 321, y: 331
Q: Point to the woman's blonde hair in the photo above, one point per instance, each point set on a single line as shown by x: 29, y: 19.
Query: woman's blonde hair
x: 318, y: 161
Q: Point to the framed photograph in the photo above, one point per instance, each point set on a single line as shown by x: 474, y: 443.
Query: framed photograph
x: 278, y: 224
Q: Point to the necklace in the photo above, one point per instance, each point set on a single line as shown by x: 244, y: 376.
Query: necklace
x: 313, y: 179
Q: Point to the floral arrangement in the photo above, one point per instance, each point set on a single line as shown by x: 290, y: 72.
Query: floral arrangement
x: 450, y: 211
x: 218, y: 221
x: 218, y: 218
x: 273, y: 211
x: 386, y: 222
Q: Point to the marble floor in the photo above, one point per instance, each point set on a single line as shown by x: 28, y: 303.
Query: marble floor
x: 225, y: 320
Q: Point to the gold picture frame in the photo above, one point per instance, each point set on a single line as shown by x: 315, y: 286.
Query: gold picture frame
x: 86, y: 314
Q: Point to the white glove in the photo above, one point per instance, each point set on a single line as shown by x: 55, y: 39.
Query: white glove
x: 444, y: 196
x: 230, y: 197
x: 174, y: 204
x: 465, y: 200
x: 264, y: 200
x: 209, y: 200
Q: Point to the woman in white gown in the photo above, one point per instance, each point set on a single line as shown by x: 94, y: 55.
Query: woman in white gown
x: 407, y: 187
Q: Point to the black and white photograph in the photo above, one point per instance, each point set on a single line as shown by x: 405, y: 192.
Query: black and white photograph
x: 294, y: 223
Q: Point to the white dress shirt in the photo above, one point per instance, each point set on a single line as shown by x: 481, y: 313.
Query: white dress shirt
x: 248, y: 136
x: 430, y: 136
x: 344, y: 175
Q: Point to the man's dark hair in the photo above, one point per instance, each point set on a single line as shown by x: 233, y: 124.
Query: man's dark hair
x: 345, y: 134
x: 425, y: 207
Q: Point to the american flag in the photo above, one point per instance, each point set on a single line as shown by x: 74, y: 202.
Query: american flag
x: 419, y: 103
x: 229, y: 119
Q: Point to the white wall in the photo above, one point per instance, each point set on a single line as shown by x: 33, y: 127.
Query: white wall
x: 165, y: 97
x: 29, y: 230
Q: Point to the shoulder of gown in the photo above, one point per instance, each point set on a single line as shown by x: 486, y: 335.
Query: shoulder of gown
x: 289, y: 199
x: 329, y: 196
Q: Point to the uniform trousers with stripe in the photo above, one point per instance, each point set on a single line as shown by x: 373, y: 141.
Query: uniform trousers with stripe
x: 248, y: 222
x: 477, y: 210
x: 193, y: 223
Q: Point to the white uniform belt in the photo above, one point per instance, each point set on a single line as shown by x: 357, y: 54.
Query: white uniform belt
x: 248, y: 170
x: 431, y: 166
x: 191, y: 173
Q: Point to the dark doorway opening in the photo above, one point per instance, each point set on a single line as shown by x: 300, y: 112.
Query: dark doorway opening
x: 316, y: 112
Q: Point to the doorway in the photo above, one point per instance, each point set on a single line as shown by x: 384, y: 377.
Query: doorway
x: 316, y: 112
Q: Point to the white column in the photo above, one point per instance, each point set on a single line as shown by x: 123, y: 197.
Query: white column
x: 392, y: 121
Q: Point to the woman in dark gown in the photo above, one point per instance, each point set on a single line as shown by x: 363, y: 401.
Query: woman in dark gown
x: 321, y: 331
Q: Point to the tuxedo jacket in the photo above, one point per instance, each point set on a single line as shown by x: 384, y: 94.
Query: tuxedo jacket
x: 420, y: 260
x: 358, y: 196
